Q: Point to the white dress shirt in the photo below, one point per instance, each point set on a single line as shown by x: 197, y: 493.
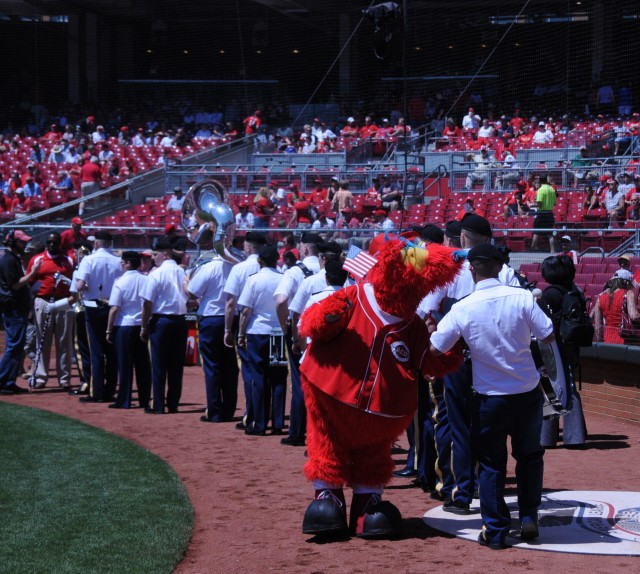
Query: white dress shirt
x: 163, y: 289
x: 496, y: 322
x: 99, y: 270
x: 207, y: 284
x: 126, y: 295
x: 257, y: 295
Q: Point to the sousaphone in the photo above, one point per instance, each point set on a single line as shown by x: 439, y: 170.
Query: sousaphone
x: 207, y: 218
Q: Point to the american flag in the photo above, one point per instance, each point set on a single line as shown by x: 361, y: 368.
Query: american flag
x: 358, y: 262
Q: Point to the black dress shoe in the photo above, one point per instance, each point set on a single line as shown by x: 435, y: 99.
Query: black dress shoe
x: 172, y: 411
x: 495, y: 544
x: 89, y: 399
x: 117, y: 406
x: 150, y: 411
x: 405, y: 473
x: 206, y: 419
x: 241, y: 426
x: 292, y: 441
x: 278, y: 432
x: 255, y: 432
x: 455, y: 507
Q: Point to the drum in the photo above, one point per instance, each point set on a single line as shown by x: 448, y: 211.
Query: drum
x: 277, y: 349
x: 555, y: 387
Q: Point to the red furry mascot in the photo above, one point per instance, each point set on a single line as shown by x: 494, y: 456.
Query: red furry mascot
x: 359, y: 382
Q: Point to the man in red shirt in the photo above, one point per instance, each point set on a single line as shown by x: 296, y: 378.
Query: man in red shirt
x: 52, y: 308
x: 70, y: 236
x: 252, y: 123
x: 369, y: 129
x: 319, y: 194
x: 90, y: 174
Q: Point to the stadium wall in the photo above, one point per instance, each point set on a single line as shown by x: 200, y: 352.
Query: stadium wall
x: 610, y: 381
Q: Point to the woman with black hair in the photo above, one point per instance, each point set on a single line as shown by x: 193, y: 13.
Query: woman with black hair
x: 559, y: 272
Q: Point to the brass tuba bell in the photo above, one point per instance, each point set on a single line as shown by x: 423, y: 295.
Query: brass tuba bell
x: 206, y: 217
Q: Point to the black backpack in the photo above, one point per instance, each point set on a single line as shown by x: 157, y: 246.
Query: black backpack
x: 576, y: 327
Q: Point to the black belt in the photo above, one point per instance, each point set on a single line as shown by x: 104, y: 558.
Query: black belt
x: 169, y: 315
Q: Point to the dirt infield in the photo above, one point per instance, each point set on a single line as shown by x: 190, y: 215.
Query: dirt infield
x: 249, y: 496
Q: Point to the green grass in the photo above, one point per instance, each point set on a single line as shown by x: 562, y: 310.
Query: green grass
x: 76, y: 499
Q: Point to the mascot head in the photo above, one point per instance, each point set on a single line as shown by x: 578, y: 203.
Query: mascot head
x: 406, y: 272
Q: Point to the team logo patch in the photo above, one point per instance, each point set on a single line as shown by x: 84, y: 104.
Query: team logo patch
x: 400, y: 351
x: 583, y: 522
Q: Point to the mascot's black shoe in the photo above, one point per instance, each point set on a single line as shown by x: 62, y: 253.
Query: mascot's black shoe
x: 326, y: 515
x: 372, y: 517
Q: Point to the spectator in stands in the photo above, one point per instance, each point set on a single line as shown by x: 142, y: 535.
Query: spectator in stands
x: 545, y: 202
x: 369, y: 129
x: 57, y: 154
x: 626, y: 186
x: 307, y: 140
x: 20, y: 202
x: 69, y: 236
x: 289, y: 245
x: 525, y: 137
x: 578, y: 166
x: 512, y: 173
x: 614, y: 202
x: 106, y: 155
x: 319, y: 193
x: 373, y: 196
x: 32, y: 188
x: 167, y: 139
x: 71, y: 155
x: 485, y: 130
x: 36, y: 155
x: 380, y: 221
x: 384, y: 130
x: 624, y: 261
x: 467, y: 208
x: 90, y: 175
x: 244, y: 218
x: 481, y: 164
x: 176, y: 200
x: 543, y: 135
x: 263, y: 208
x: 99, y: 135
x: 400, y: 129
x: 609, y: 305
x: 390, y: 193
x: 566, y: 249
x: 333, y: 188
x: 63, y: 182
x: 451, y: 132
x: 294, y: 195
x: 252, y: 123
x: 591, y: 200
x: 622, y: 137
x: 633, y: 211
x: 350, y: 130
x: 324, y: 222
x: 138, y: 140
x: 514, y: 204
x: 342, y: 198
x: 278, y: 194
x: 471, y: 121
x: 203, y: 132
x: 301, y: 217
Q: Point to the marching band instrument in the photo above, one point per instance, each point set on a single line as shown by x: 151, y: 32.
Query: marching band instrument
x: 555, y: 386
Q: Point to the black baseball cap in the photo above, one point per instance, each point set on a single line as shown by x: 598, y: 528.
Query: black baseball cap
x: 485, y: 251
x: 432, y: 232
x: 476, y: 223
x: 311, y: 238
x: 453, y: 229
x: 256, y: 237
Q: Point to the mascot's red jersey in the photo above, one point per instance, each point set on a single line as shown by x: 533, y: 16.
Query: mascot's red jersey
x: 373, y: 365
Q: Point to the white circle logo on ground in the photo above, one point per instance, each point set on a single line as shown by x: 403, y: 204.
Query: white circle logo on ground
x: 583, y: 522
